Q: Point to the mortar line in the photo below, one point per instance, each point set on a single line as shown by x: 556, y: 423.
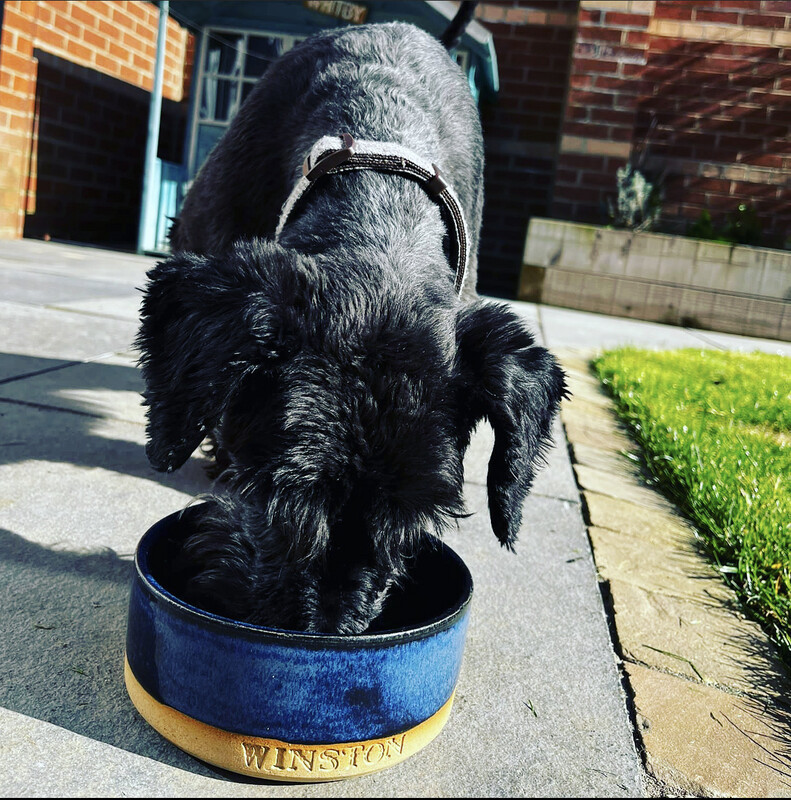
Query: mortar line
x: 544, y: 495
x: 65, y: 310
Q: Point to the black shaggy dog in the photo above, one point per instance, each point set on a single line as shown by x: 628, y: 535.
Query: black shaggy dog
x: 337, y: 369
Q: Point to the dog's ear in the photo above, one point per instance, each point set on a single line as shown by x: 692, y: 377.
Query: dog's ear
x: 517, y: 386
x: 203, y: 328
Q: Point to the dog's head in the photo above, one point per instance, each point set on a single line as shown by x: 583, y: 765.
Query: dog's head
x: 345, y: 412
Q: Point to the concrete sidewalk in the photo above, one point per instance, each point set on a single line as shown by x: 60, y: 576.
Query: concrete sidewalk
x: 540, y: 708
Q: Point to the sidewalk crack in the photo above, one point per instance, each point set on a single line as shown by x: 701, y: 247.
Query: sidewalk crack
x: 39, y: 372
x: 45, y: 407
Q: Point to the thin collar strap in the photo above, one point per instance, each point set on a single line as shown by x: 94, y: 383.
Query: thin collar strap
x: 332, y: 155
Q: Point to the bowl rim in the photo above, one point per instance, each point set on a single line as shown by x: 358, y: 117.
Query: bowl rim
x: 289, y: 637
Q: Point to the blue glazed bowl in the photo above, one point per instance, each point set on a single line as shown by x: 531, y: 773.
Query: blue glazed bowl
x: 294, y: 706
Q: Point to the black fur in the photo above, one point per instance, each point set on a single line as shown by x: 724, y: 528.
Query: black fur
x: 337, y: 371
x: 451, y: 37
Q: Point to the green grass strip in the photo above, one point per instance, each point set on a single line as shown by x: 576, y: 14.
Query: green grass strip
x: 715, y: 429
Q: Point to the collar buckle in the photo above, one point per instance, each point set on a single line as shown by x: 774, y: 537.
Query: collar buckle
x: 329, y: 160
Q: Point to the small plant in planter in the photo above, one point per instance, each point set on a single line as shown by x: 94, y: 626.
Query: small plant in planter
x: 741, y: 226
x: 638, y: 202
x: 703, y: 227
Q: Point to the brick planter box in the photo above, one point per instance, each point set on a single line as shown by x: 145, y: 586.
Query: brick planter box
x: 658, y: 277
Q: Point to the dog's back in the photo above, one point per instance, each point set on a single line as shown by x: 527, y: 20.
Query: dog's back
x: 390, y: 83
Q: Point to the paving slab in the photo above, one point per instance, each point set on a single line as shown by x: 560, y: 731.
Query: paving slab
x: 743, y: 344
x: 554, y: 479
x: 679, y: 572
x: 47, y: 288
x: 124, y: 306
x: 566, y: 328
x: 107, y: 387
x: 587, y: 432
x: 612, y: 463
x: 649, y: 524
x: 583, y: 391
x: 621, y: 487
x: 14, y: 366
x: 81, y: 481
x: 673, y: 631
x: 62, y: 335
x: 536, y: 710
x: 75, y: 261
x: 593, y: 415
x: 709, y: 742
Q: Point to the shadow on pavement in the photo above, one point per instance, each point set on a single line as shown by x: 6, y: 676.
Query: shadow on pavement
x: 63, y: 629
x: 63, y: 411
x: 767, y: 671
x: 63, y: 621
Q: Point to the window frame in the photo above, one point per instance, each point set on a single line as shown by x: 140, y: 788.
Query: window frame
x: 240, y: 79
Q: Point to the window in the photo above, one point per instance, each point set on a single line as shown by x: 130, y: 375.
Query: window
x: 233, y: 61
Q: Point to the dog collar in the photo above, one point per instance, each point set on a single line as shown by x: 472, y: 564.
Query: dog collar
x: 332, y: 155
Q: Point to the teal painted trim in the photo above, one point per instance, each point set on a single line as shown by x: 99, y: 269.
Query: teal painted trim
x: 171, y: 194
x: 491, y: 70
x: 149, y: 210
x: 471, y: 80
x: 166, y: 184
x: 294, y: 19
x: 150, y: 198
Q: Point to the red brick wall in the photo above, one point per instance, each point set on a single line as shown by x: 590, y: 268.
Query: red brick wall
x: 90, y: 144
x: 113, y: 39
x: 722, y: 111
x: 604, y: 89
x: 533, y: 43
x: 698, y: 93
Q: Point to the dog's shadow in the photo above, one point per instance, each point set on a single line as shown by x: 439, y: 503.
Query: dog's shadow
x: 87, y: 414
x: 63, y: 631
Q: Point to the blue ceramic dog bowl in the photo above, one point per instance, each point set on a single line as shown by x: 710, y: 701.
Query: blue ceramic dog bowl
x: 294, y: 706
